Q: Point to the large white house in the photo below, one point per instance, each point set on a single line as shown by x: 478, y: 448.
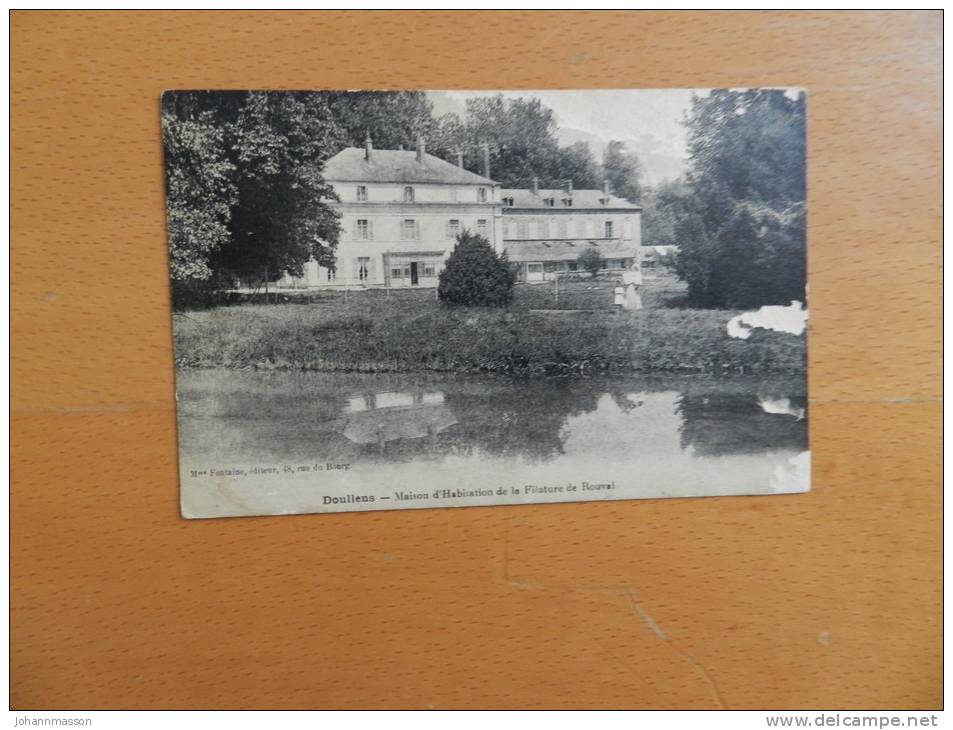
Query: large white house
x: 401, y: 211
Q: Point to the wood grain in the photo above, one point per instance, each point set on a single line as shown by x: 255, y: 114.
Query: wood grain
x: 830, y: 599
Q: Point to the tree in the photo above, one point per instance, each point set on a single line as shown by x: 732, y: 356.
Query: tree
x: 662, y: 206
x: 590, y: 260
x: 520, y: 134
x: 200, y: 194
x: 245, y: 192
x: 576, y: 163
x: 393, y: 118
x: 623, y: 171
x: 741, y: 232
x: 475, y: 276
x: 285, y: 213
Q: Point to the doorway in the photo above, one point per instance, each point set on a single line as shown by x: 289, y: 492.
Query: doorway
x: 413, y: 274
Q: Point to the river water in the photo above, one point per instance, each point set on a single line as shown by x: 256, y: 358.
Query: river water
x: 255, y: 442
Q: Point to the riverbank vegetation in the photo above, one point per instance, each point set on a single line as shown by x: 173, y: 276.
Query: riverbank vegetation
x: 401, y: 331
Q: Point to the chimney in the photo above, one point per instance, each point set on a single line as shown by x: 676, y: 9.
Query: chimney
x: 569, y: 186
x: 368, y: 146
x: 535, y: 187
x: 459, y: 154
x: 421, y: 148
x: 605, y: 187
x: 485, y: 149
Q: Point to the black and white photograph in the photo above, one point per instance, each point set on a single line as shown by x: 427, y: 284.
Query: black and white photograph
x: 412, y: 299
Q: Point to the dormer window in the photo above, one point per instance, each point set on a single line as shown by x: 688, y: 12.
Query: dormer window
x: 550, y: 202
x: 604, y: 201
x: 508, y: 202
x: 481, y: 195
x: 362, y: 193
x: 408, y: 194
x: 567, y: 202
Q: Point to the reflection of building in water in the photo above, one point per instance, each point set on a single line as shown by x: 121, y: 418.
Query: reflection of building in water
x: 371, y: 401
x: 377, y: 418
x: 731, y: 423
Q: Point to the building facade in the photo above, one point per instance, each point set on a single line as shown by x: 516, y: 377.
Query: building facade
x: 401, y: 211
x: 545, y: 230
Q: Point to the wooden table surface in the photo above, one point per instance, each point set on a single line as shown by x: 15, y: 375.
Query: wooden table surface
x: 826, y: 600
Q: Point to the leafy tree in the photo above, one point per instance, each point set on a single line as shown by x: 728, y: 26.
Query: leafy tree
x: 577, y: 163
x: 199, y: 194
x: 521, y: 136
x: 741, y: 232
x: 285, y: 213
x: 246, y: 196
x: 393, y: 118
x: 449, y: 137
x: 623, y: 171
x: 590, y: 260
x: 475, y: 276
x: 520, y: 133
x: 662, y: 206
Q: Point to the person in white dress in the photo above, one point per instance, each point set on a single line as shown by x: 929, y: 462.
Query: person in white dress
x: 633, y: 283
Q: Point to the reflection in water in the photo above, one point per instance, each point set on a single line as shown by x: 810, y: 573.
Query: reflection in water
x: 737, y: 423
x: 377, y: 418
x: 304, y: 417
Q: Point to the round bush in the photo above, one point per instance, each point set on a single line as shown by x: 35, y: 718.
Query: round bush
x: 475, y: 276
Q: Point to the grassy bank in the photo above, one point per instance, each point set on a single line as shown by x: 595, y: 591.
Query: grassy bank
x: 410, y: 331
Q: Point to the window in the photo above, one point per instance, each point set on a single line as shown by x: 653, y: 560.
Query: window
x: 567, y: 202
x: 542, y: 228
x: 362, y: 193
x: 332, y: 273
x: 430, y: 270
x: 408, y: 194
x: 363, y: 268
x: 481, y: 227
x: 521, y: 231
x: 364, y: 230
x: 609, y: 229
x: 481, y: 195
x: 550, y: 202
x: 562, y: 229
x: 397, y: 272
x: 453, y: 195
x: 409, y: 230
x: 453, y: 228
x: 508, y: 202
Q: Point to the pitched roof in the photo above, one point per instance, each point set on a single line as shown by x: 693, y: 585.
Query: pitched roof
x: 396, y: 166
x: 566, y: 251
x: 523, y: 198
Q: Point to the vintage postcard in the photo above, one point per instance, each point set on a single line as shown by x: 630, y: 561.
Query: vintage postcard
x: 391, y: 300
